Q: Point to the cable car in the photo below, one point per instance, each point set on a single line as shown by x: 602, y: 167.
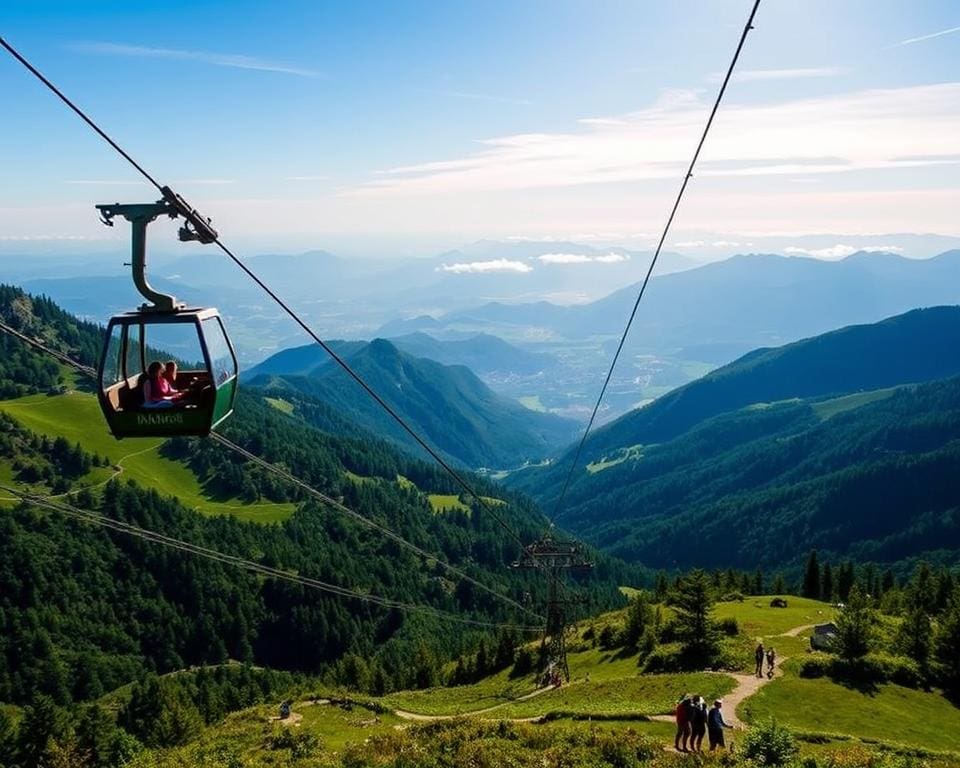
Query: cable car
x: 166, y: 370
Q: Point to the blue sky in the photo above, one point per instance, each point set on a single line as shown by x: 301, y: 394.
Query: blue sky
x: 418, y: 125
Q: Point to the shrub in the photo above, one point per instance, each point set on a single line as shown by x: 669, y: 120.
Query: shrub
x: 664, y: 658
x: 815, y: 666
x: 609, y: 638
x: 732, y: 597
x: 729, y: 626
x: 873, y: 669
x: 770, y: 744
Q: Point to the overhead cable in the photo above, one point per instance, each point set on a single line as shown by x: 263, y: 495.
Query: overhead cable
x: 457, y: 477
x: 557, y: 511
x: 292, y: 479
x: 120, y: 526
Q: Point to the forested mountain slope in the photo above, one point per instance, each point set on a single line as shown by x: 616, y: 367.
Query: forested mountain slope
x: 456, y: 411
x: 84, y: 609
x: 831, y: 442
x: 871, y: 477
x: 918, y: 346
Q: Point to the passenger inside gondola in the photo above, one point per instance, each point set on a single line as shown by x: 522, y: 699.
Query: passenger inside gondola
x: 157, y: 390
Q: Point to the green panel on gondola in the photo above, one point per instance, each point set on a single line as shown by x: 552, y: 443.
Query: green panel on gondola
x: 158, y: 422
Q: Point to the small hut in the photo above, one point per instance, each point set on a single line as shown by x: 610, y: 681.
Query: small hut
x: 823, y: 637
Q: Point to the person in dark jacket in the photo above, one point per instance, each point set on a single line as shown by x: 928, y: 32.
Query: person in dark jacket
x: 698, y: 724
x: 682, y: 715
x: 758, y: 656
x: 715, y: 725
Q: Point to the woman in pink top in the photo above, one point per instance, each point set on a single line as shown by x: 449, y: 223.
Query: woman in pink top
x: 157, y: 391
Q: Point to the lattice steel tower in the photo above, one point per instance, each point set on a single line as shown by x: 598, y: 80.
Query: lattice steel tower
x: 557, y: 559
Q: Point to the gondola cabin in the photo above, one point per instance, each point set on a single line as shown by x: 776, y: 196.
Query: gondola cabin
x: 166, y: 370
x: 167, y: 374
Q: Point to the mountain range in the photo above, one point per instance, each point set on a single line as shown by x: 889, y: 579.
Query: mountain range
x: 848, y: 442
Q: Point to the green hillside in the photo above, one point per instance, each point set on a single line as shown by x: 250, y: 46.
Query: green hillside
x: 610, y: 714
x: 745, y: 468
x: 76, y: 417
x: 918, y: 346
x: 458, y: 413
x: 761, y: 486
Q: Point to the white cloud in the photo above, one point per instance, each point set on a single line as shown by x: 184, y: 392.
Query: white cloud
x: 233, y: 60
x: 482, y: 267
x: 565, y: 258
x: 612, y: 258
x: 724, y: 244
x: 306, y: 178
x: 582, y: 258
x: 832, y: 134
x: 840, y: 251
x: 44, y: 238
x: 912, y: 40
x: 690, y: 244
x: 135, y: 183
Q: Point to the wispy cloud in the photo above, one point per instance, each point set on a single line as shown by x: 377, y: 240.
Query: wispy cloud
x: 484, y: 267
x: 46, y: 238
x: 106, y: 182
x: 863, y: 130
x: 583, y: 258
x: 306, y: 178
x: 233, y: 60
x: 135, y: 183
x: 758, y: 75
x: 470, y: 96
x: 912, y: 40
x: 840, y: 250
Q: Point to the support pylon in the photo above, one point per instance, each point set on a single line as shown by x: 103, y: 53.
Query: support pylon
x: 557, y: 559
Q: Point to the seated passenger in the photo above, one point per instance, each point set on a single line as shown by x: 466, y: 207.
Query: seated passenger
x: 157, y: 392
x: 170, y: 374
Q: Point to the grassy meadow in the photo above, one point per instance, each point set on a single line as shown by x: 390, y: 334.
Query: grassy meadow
x: 76, y: 417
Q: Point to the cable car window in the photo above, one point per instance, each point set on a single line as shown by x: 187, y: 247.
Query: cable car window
x: 134, y: 364
x: 177, y: 343
x: 113, y: 359
x: 221, y: 356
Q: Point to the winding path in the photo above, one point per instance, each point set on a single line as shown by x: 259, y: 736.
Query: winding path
x: 405, y: 715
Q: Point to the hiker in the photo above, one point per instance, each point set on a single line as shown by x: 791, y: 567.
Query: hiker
x: 698, y: 724
x: 758, y: 655
x: 715, y: 726
x: 771, y: 661
x: 682, y: 715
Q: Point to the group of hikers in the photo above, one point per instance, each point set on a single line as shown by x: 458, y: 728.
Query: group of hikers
x: 694, y: 721
x: 771, y: 657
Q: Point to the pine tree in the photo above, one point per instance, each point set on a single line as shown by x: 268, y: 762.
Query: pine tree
x: 662, y: 587
x: 506, y: 647
x: 758, y: 582
x: 639, y: 617
x: 779, y: 586
x: 945, y: 588
x: 915, y: 638
x: 947, y: 646
x: 855, y: 626
x: 698, y: 633
x: 845, y: 579
x: 95, y: 735
x: 922, y: 590
x: 39, y: 729
x: 826, y: 583
x: 811, y: 577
